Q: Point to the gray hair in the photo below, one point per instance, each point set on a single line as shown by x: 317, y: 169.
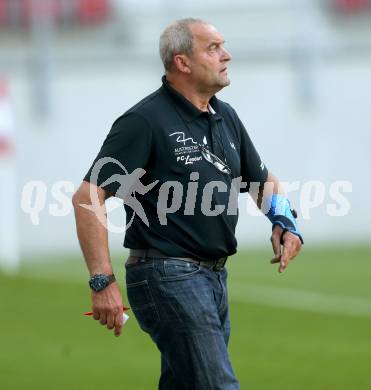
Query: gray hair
x: 177, y: 38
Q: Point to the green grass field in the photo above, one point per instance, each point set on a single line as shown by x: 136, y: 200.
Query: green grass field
x: 309, y: 328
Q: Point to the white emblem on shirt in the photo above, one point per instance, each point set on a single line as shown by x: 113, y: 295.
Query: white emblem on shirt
x: 188, y: 159
x: 181, y: 137
x: 185, y: 153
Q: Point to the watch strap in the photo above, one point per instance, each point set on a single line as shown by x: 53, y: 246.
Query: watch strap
x: 111, y: 279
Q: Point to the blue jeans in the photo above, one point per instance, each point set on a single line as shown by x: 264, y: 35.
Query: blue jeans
x: 184, y: 308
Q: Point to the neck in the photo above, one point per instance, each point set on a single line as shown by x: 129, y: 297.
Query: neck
x: 197, y: 98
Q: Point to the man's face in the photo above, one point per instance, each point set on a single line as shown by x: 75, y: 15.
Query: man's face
x: 208, y: 63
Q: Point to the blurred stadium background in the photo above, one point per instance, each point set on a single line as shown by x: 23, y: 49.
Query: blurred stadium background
x: 301, y: 82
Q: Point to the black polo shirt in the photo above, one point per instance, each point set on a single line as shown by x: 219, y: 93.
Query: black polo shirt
x: 162, y: 134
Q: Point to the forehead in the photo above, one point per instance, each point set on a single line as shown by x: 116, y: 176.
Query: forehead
x: 204, y: 34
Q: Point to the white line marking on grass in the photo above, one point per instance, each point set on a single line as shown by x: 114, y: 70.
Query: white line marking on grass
x: 300, y: 299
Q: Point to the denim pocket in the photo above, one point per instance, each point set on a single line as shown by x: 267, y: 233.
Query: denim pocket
x: 178, y: 269
x: 142, y: 304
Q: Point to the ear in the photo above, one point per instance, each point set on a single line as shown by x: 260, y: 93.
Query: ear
x: 181, y: 62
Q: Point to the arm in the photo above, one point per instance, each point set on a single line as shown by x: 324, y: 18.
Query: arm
x: 291, y: 243
x: 93, y: 238
x: 253, y: 170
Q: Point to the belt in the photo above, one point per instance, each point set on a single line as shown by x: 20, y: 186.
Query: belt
x: 136, y: 254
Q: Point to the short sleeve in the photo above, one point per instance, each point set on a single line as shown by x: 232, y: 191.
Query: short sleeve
x: 253, y: 170
x: 126, y: 148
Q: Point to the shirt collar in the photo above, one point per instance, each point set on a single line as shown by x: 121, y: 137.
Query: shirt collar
x: 186, y: 109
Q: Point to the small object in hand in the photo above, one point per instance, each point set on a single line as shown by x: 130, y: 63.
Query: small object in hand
x: 124, y: 315
x: 90, y: 313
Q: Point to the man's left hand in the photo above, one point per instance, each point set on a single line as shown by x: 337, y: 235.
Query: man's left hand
x: 291, y: 247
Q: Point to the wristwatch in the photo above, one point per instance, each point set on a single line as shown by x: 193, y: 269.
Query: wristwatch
x: 99, y: 282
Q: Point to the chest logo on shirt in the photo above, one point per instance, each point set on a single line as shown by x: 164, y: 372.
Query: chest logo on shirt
x: 181, y: 138
x: 187, y: 146
x: 188, y: 159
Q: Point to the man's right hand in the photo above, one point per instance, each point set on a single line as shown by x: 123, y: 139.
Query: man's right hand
x: 107, y: 307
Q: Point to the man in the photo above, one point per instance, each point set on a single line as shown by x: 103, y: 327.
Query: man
x: 192, y: 147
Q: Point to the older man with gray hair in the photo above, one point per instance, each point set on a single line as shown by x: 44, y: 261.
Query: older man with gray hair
x: 193, y: 149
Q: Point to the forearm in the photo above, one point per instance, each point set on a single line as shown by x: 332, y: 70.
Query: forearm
x: 92, y: 233
x: 275, y: 185
x: 266, y: 190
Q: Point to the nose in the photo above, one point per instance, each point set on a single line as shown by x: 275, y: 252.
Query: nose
x: 226, y: 55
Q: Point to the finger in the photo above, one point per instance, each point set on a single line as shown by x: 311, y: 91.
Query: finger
x: 110, y: 320
x: 293, y: 245
x: 276, y: 260
x: 297, y: 247
x: 294, y: 252
x: 118, y: 324
x: 275, y: 239
x: 284, y: 260
x: 96, y: 314
x: 103, y: 318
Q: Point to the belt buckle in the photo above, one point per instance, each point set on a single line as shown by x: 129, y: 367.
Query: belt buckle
x: 219, y: 264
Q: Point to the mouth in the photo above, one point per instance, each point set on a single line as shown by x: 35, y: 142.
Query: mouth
x: 223, y: 70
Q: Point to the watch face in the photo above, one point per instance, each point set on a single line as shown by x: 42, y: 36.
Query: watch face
x: 98, y: 282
